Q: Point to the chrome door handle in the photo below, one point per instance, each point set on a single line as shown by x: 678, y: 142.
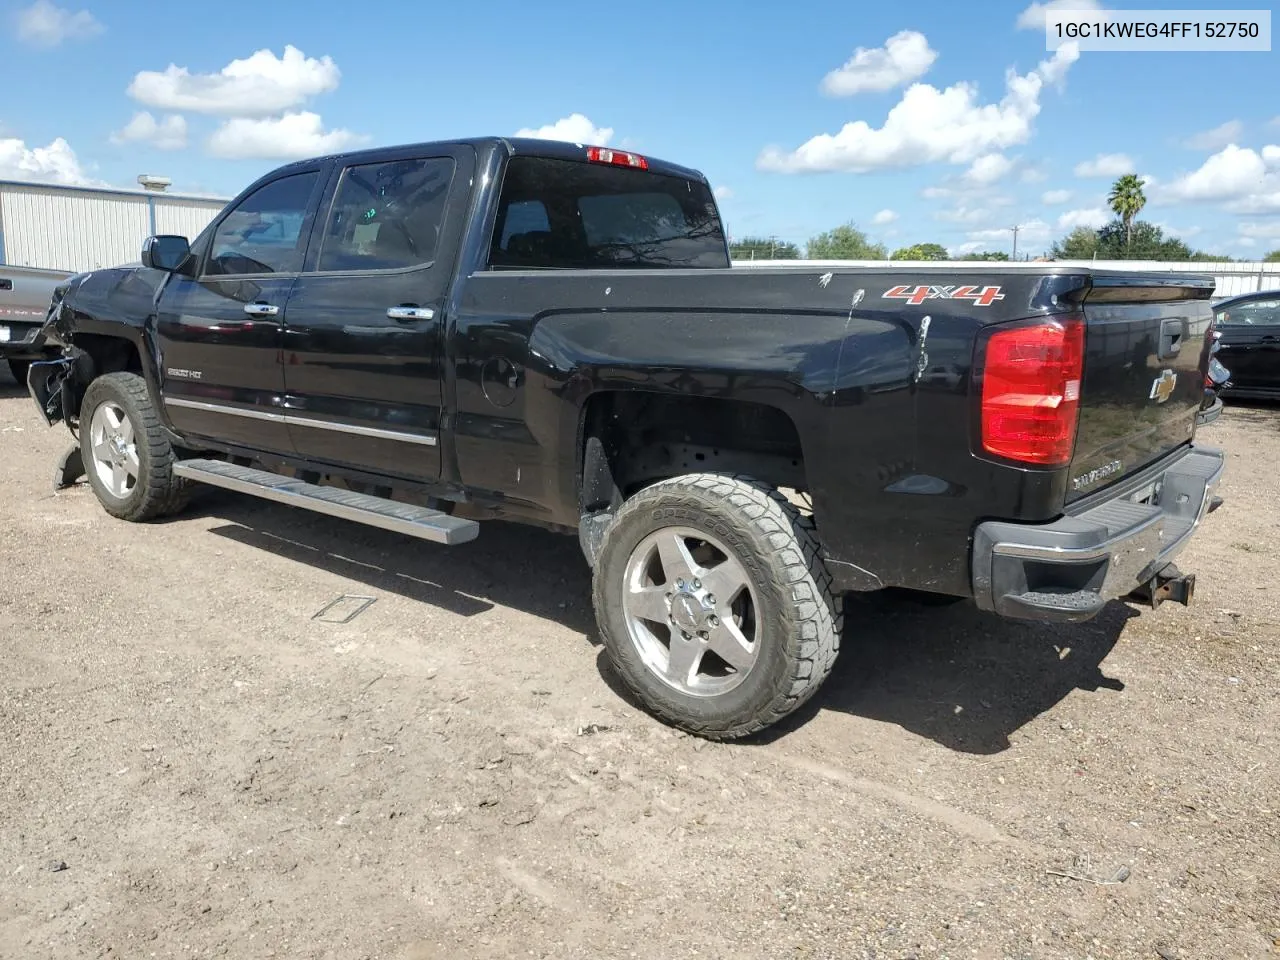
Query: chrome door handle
x: 261, y: 309
x: 411, y: 313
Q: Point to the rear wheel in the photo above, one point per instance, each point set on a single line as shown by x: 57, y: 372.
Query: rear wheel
x: 714, y: 605
x: 19, y: 370
x: 127, y: 455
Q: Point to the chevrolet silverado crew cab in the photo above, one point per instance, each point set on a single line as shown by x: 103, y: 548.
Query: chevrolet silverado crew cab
x: 425, y: 337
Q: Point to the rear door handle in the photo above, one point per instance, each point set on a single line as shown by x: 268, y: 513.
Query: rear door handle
x: 261, y: 309
x: 405, y: 312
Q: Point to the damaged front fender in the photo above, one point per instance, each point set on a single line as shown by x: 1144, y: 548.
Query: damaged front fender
x: 51, y: 383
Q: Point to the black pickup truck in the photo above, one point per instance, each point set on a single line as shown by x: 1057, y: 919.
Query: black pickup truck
x: 428, y: 336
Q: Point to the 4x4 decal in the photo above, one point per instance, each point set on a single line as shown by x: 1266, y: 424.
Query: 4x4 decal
x: 981, y: 296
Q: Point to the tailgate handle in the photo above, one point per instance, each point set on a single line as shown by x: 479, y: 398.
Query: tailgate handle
x: 1171, y: 332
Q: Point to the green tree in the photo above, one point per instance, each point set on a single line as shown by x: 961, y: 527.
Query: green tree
x: 1127, y: 200
x: 763, y: 248
x: 1120, y: 241
x: 1080, y: 244
x: 845, y: 242
x: 1272, y: 257
x: 920, y: 251
x: 986, y: 255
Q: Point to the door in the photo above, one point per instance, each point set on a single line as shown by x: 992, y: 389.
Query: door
x: 363, y: 341
x: 220, y: 329
x: 1250, y: 343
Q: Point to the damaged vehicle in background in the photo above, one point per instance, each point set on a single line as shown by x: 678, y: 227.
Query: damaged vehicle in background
x: 425, y: 337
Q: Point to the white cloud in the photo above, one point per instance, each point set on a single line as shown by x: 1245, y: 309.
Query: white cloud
x: 724, y: 193
x: 973, y: 246
x: 1233, y: 173
x: 55, y: 163
x: 989, y: 168
x: 1271, y: 155
x: 1105, y: 165
x: 1055, y: 196
x: 963, y: 214
x: 574, y: 128
x: 167, y: 134
x: 1093, y: 218
x: 44, y: 25
x: 1033, y: 18
x: 928, y: 125
x: 1217, y: 138
x: 257, y: 86
x: 906, y: 56
x: 290, y: 137
x: 884, y: 216
x: 1028, y: 231
x: 1265, y: 231
x: 937, y: 193
x: 1033, y: 175
x: 1246, y: 242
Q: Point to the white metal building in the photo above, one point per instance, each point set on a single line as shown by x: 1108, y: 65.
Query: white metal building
x: 85, y: 228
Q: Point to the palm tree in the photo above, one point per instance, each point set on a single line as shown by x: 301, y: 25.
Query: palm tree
x: 1126, y: 199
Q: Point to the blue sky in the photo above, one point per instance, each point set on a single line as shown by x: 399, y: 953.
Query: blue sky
x: 938, y: 143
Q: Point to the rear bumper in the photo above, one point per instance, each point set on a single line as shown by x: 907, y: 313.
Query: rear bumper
x: 23, y: 340
x: 1104, y: 550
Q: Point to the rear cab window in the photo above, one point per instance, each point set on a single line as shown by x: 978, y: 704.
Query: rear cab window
x: 566, y: 214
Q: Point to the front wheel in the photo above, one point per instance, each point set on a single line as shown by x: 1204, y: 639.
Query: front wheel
x: 714, y: 604
x: 127, y: 455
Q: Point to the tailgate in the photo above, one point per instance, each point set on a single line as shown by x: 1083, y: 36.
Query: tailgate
x: 1146, y: 352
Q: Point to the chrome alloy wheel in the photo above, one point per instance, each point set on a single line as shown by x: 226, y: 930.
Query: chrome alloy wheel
x: 691, y: 611
x: 113, y: 450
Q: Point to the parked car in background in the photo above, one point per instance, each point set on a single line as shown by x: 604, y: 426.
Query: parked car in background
x: 1249, y: 345
x: 25, y: 295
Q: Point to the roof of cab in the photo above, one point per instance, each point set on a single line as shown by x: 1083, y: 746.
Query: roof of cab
x: 513, y: 146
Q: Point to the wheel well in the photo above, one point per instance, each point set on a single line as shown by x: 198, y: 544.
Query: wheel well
x: 631, y: 440
x: 109, y: 354
x: 98, y: 355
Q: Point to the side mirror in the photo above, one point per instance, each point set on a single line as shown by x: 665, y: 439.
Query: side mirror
x: 166, y: 253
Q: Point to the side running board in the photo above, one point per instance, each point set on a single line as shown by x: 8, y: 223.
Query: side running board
x: 421, y: 522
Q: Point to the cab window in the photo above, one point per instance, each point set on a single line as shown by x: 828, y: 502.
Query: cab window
x: 266, y: 232
x: 387, y: 216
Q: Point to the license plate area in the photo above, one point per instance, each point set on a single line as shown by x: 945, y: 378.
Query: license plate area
x: 6, y: 334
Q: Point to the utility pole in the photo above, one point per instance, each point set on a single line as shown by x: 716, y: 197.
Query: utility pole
x: 1015, y: 230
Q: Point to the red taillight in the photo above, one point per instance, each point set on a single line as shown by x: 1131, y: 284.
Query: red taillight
x: 618, y: 158
x: 1031, y: 391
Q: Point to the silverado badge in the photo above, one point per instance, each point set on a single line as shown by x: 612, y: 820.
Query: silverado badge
x: 1162, y: 386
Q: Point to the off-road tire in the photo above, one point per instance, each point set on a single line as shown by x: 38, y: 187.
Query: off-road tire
x: 157, y: 492
x: 19, y: 370
x: 799, y: 617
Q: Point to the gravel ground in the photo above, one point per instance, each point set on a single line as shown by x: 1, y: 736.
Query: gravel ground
x: 193, y: 766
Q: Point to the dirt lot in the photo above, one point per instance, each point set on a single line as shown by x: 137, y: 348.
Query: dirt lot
x: 223, y: 775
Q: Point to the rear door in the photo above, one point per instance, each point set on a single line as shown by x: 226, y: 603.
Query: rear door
x: 364, y: 346
x: 221, y: 328
x: 1146, y: 350
x: 1250, y: 342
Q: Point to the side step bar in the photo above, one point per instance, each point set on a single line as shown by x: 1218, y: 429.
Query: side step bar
x: 421, y: 522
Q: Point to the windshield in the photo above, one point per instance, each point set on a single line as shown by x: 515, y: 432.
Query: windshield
x: 567, y: 214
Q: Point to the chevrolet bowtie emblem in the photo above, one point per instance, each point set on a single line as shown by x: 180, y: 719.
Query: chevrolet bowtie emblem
x: 1162, y: 386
